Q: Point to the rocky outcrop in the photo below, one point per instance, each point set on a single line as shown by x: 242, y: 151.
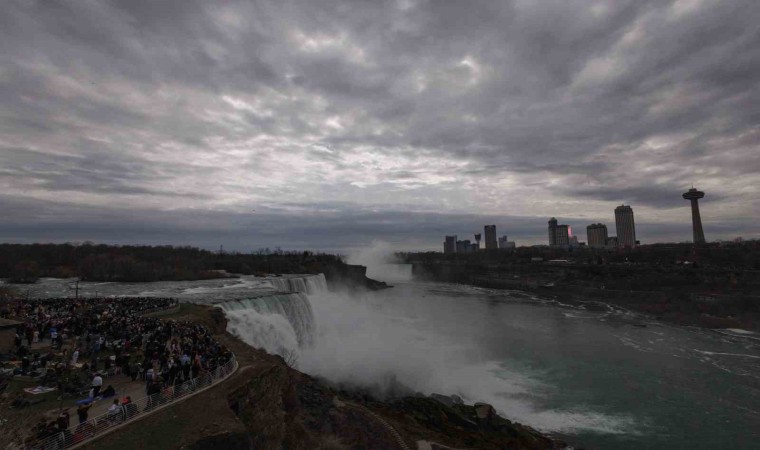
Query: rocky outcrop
x: 351, y: 276
x: 283, y: 408
x: 448, y: 400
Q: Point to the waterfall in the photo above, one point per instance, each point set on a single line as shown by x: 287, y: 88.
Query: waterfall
x: 295, y: 308
x: 271, y: 332
x: 280, y: 323
x: 310, y: 284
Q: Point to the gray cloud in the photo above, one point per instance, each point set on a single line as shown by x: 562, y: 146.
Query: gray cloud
x: 394, y: 111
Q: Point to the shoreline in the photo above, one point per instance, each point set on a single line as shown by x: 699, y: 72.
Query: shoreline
x: 666, y: 305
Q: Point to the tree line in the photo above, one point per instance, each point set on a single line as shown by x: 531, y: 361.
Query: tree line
x: 26, y: 263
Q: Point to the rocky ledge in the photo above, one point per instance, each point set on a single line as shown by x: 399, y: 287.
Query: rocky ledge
x: 351, y: 276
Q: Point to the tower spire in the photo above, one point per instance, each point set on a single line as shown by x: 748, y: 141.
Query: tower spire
x: 694, y: 195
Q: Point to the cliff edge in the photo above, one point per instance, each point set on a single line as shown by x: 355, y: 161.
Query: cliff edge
x: 351, y: 276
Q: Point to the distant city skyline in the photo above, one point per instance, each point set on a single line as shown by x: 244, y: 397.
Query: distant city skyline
x: 561, y: 235
x: 328, y: 124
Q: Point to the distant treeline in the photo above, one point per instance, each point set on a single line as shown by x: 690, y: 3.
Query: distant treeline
x: 25, y: 263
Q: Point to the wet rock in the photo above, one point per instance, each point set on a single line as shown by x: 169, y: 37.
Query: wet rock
x: 484, y: 412
x: 448, y: 400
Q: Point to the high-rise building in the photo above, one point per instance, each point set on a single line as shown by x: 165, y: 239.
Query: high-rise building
x: 696, y: 220
x: 552, y: 231
x: 463, y: 246
x: 450, y: 244
x: 626, y: 228
x: 505, y: 244
x: 596, y: 234
x: 490, y: 232
x: 559, y: 235
x: 477, y: 241
x: 562, y: 235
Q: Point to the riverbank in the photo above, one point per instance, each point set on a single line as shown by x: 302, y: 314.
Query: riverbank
x: 665, y: 306
x: 677, y: 303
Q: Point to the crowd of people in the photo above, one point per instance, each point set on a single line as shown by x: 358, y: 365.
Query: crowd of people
x: 90, y: 340
x: 89, y: 327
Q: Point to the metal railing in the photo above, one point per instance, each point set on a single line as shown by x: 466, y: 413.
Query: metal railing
x: 97, y: 426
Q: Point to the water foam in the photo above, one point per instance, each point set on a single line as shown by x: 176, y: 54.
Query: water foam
x: 280, y: 323
x: 366, y: 343
x: 306, y: 284
x: 295, y: 309
x: 363, y: 342
x: 271, y: 332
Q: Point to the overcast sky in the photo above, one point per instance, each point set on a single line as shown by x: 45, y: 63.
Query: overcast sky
x: 330, y: 124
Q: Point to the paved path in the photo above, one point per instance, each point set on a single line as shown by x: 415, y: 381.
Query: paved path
x: 124, y: 386
x: 399, y: 440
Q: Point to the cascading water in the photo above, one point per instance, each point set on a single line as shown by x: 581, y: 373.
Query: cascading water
x: 295, y: 308
x: 281, y: 323
x: 309, y: 284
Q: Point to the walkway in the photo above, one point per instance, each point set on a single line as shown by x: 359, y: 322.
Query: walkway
x: 102, y: 424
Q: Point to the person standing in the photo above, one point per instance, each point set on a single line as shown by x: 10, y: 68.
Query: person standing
x: 97, y: 383
x: 130, y: 409
x: 63, y: 420
x: 82, y: 411
x: 196, y: 368
x: 74, y: 357
x: 185, y: 361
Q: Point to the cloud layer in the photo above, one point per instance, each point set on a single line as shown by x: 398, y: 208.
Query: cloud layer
x: 327, y: 124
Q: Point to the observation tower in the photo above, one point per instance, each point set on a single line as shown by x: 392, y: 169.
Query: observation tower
x: 696, y: 220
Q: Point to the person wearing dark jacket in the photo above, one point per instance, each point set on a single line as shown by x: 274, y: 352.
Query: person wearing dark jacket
x: 82, y: 412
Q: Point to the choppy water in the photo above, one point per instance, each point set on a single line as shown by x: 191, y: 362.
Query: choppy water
x: 599, y: 378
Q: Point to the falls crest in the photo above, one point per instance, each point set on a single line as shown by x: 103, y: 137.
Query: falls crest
x: 308, y: 284
x: 295, y: 308
x: 280, y: 323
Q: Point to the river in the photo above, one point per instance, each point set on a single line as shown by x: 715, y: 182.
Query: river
x: 597, y: 377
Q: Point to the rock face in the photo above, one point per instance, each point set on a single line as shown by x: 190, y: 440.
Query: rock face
x: 351, y: 276
x: 448, y: 400
x: 466, y: 426
x: 484, y: 412
x: 283, y: 408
